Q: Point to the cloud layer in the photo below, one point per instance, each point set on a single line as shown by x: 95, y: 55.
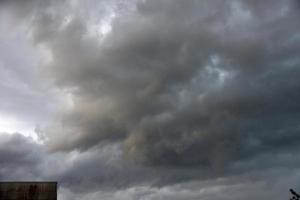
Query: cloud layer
x: 164, y: 92
x: 179, y: 85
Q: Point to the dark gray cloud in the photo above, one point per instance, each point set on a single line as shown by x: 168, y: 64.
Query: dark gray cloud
x: 182, y: 90
x: 19, y: 157
x: 179, y: 85
x: 24, y: 159
x: 246, y: 188
x: 103, y: 173
x: 79, y: 173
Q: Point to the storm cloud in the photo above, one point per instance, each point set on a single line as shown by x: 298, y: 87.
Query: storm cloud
x: 160, y: 93
x: 179, y: 83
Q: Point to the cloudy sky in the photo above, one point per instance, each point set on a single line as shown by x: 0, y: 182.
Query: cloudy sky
x: 151, y: 99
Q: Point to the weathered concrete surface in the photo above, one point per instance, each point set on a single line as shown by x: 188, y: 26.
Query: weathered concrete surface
x: 28, y: 191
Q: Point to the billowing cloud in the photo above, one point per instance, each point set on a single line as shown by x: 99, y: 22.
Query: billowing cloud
x: 162, y: 92
x: 19, y: 158
x: 247, y: 187
x: 103, y: 173
x: 176, y: 84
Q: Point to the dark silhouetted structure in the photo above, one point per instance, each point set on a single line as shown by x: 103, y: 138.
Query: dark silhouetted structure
x: 28, y: 191
x: 296, y: 196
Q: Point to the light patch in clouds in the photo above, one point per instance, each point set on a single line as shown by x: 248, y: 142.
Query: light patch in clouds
x: 10, y: 124
x: 106, y: 24
x: 100, y: 29
x: 239, y: 15
x: 26, y: 101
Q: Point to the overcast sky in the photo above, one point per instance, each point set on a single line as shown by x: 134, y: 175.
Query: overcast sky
x: 151, y: 99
